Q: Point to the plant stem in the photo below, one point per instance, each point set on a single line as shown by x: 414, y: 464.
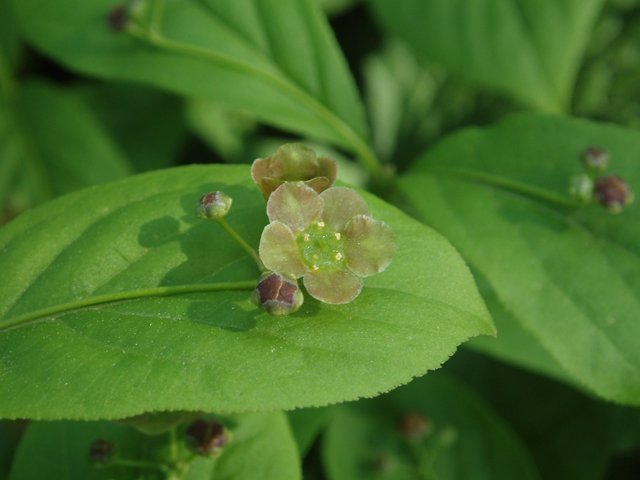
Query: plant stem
x: 223, y: 223
x: 157, y: 8
x: 364, y: 152
x: 127, y: 295
x: 173, y: 445
x: 125, y: 462
x: 507, y: 184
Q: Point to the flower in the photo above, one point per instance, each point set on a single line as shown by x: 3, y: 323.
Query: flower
x: 207, y: 437
x: 329, y: 239
x: 293, y: 162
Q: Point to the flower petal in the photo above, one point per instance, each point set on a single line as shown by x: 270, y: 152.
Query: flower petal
x: 279, y: 251
x: 327, y: 168
x: 259, y: 169
x: 341, y: 205
x: 268, y: 185
x: 295, y: 205
x: 319, y: 184
x: 369, y: 245
x: 333, y: 286
x: 294, y: 162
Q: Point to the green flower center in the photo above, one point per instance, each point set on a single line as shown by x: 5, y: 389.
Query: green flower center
x: 321, y: 247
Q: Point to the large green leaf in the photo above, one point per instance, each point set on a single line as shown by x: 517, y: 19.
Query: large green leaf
x: 570, y: 276
x: 51, y: 142
x: 529, y: 49
x: 275, y: 58
x: 206, y: 351
x: 479, y: 444
x: 262, y: 448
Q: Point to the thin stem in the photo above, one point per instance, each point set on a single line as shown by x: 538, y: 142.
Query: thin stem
x: 360, y: 147
x: 127, y: 295
x: 126, y: 462
x: 157, y: 8
x: 223, y: 223
x: 506, y: 183
x: 173, y: 444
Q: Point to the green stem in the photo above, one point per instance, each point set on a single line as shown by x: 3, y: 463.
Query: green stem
x: 156, y: 17
x: 7, y: 82
x: 360, y: 147
x: 125, y: 462
x: 223, y: 223
x: 506, y: 183
x: 128, y: 295
x: 173, y: 444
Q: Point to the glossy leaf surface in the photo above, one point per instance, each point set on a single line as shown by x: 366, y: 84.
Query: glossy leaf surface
x: 207, y: 351
x: 261, y: 445
x: 465, y: 438
x: 568, y: 275
x: 529, y: 49
x: 275, y: 58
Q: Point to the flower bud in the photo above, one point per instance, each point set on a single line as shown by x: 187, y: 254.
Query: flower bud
x: 414, y: 426
x: 278, y: 294
x: 595, y: 158
x: 213, y: 206
x: 581, y: 188
x: 207, y: 437
x: 102, y: 453
x: 612, y: 192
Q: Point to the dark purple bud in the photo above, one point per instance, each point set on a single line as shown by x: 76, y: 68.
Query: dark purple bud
x: 278, y: 294
x: 595, y: 158
x: 118, y: 18
x: 612, y: 192
x: 102, y: 453
x: 207, y: 437
x: 414, y: 426
x: 213, y: 206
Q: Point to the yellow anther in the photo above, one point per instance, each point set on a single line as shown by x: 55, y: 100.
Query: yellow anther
x: 314, y: 267
x: 338, y: 256
x: 306, y: 237
x: 320, y: 224
x: 338, y: 236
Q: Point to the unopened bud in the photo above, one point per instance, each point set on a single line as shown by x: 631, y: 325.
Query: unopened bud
x: 102, y: 453
x: 207, y: 438
x: 118, y: 18
x: 595, y: 158
x: 213, y: 206
x: 414, y: 426
x: 581, y: 188
x: 278, y: 294
x: 612, y: 192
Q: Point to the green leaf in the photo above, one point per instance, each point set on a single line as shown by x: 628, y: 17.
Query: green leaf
x: 212, y: 351
x: 275, y: 58
x: 72, y: 146
x: 10, y: 432
x: 146, y: 124
x: 261, y: 446
x: 468, y: 439
x: 529, y: 49
x: 569, y: 276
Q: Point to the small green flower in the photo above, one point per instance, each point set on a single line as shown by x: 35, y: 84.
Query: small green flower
x: 329, y: 239
x: 293, y: 162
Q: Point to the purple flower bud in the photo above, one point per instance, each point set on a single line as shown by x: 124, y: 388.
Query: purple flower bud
x: 102, y: 453
x: 595, y: 158
x: 118, y: 18
x: 207, y: 437
x: 612, y: 192
x: 213, y: 206
x: 278, y: 294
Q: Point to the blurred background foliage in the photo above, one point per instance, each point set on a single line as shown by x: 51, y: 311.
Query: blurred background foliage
x: 53, y: 120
